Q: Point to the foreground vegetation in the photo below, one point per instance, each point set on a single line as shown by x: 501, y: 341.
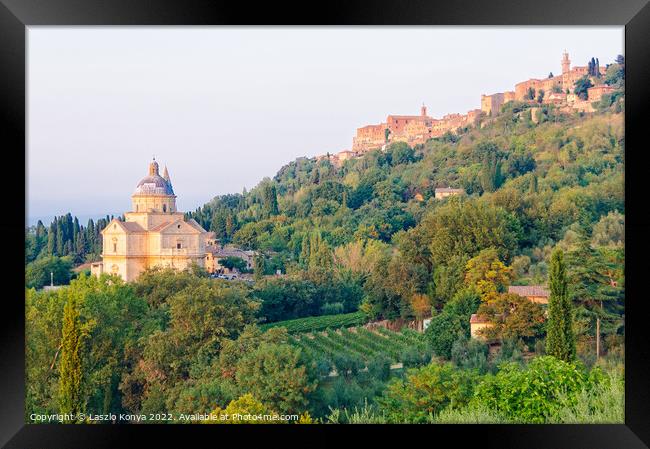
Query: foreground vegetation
x: 362, y: 242
x: 180, y: 342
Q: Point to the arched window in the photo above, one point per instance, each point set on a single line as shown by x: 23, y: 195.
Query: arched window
x: 164, y: 208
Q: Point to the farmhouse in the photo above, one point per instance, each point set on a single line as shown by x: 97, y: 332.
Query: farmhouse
x: 444, y: 192
x: 535, y: 293
x: 477, y: 323
x: 215, y: 254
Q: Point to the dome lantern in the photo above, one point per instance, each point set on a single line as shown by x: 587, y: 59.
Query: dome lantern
x: 154, y: 193
x: 153, y: 168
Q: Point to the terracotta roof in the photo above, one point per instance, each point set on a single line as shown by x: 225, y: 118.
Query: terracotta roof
x: 83, y: 266
x: 448, y: 189
x: 529, y: 290
x: 475, y: 319
x: 218, y: 251
x: 132, y: 226
x: 192, y: 222
x: 160, y: 226
x: 419, y: 117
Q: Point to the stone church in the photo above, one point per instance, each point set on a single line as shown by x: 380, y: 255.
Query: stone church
x: 154, y: 233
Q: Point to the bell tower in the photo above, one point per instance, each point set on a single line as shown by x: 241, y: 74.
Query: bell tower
x: 566, y: 63
x: 423, y: 110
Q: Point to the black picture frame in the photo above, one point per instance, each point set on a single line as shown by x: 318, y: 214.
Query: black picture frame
x: 16, y: 15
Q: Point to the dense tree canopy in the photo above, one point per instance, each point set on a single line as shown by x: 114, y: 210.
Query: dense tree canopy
x: 368, y: 239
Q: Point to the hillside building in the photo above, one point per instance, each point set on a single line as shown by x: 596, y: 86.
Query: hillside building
x: 153, y: 234
x: 444, y: 192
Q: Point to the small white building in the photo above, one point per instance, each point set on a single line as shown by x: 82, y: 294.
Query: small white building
x: 444, y: 192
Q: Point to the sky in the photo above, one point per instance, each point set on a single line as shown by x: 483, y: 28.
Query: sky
x: 224, y: 107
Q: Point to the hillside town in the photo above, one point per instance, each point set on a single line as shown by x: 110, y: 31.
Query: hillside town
x: 439, y: 271
x: 556, y: 90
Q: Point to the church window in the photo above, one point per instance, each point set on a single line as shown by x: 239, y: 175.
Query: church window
x: 178, y: 245
x: 164, y: 208
x: 114, y: 247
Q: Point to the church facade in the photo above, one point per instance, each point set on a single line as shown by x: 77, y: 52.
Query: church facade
x: 153, y: 234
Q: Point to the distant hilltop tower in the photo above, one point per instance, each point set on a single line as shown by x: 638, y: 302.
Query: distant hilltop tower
x: 423, y: 110
x: 566, y: 63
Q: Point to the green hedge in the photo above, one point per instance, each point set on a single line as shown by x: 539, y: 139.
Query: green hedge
x: 318, y: 323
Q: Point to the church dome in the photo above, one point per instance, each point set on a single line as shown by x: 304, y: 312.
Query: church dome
x: 154, y: 184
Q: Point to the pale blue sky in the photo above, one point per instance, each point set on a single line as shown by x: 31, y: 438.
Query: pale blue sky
x: 224, y: 107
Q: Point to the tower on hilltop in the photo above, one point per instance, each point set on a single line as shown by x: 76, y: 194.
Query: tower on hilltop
x: 423, y: 110
x: 566, y: 63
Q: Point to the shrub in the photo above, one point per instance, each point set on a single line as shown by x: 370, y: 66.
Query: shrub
x: 604, y: 403
x: 425, y: 391
x: 442, y: 332
x: 472, y: 414
x: 534, y: 393
x: 470, y: 354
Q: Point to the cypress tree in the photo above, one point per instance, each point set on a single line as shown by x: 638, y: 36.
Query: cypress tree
x: 75, y: 229
x: 68, y: 227
x: 40, y: 229
x: 533, y: 184
x: 304, y: 252
x: 230, y: 226
x: 60, y: 238
x: 51, y: 240
x: 560, y: 341
x: 80, y: 247
x: 90, y: 236
x: 270, y: 199
x: 70, y: 368
x: 67, y: 248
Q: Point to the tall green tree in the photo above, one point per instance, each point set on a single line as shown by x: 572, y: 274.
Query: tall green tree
x: 51, y: 240
x: 270, y: 199
x: 560, y: 341
x: 70, y: 368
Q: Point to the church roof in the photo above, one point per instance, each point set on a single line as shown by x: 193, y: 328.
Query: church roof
x: 132, y: 226
x: 128, y: 226
x: 192, y: 222
x: 161, y: 227
x: 153, y: 183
